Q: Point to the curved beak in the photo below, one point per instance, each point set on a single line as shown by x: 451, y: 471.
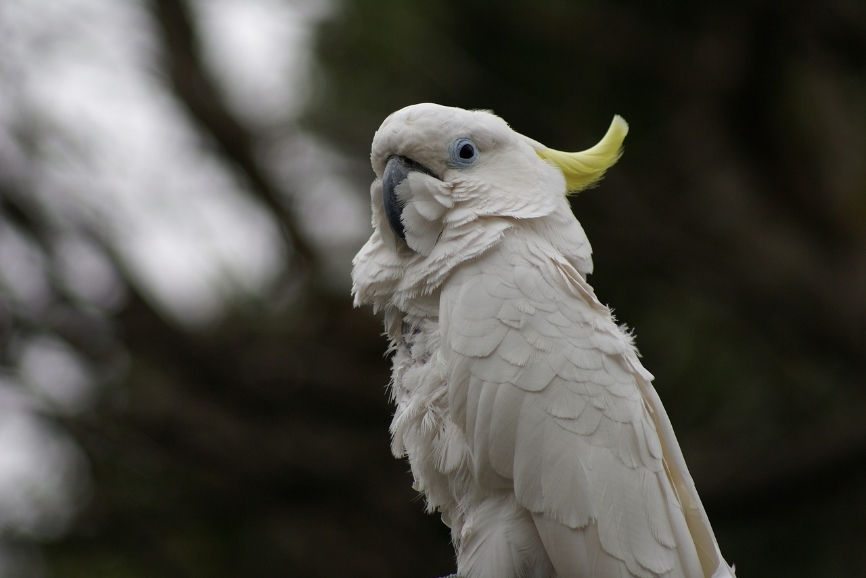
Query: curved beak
x: 395, y: 173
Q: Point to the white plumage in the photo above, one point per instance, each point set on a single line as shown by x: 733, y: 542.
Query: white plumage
x: 528, y: 421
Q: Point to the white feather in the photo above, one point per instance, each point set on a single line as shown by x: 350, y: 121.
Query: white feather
x: 527, y: 419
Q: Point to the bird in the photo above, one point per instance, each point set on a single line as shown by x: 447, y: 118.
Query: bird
x: 527, y: 419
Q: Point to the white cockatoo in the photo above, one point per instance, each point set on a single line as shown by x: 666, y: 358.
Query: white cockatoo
x: 523, y: 409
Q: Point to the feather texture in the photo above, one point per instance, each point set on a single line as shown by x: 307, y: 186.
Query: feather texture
x: 528, y: 421
x: 585, y: 450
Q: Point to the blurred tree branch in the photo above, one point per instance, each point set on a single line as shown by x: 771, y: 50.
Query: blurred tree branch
x: 197, y: 89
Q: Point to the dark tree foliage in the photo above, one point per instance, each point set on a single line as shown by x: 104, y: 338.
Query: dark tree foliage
x: 732, y: 236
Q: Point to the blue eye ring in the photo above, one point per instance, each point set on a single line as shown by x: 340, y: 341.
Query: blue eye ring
x: 462, y: 153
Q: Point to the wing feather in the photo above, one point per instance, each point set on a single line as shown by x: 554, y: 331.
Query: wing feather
x: 564, y: 482
x: 553, y: 400
x: 482, y: 445
x: 528, y: 457
x: 503, y: 428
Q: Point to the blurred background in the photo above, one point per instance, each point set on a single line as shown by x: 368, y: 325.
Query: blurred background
x: 185, y: 389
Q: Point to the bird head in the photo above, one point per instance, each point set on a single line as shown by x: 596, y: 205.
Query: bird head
x: 472, y: 165
x: 449, y: 182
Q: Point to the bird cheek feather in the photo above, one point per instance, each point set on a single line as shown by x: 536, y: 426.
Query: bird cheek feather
x: 422, y: 201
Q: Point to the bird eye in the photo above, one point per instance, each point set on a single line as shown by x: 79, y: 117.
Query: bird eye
x: 462, y: 153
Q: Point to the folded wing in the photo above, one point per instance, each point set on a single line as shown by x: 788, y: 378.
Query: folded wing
x: 554, y: 403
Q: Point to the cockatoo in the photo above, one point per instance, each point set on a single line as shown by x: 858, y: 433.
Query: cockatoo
x: 527, y: 418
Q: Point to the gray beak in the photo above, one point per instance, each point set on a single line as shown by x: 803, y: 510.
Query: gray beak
x: 395, y: 172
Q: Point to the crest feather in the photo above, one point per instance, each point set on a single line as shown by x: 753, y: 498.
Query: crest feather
x: 583, y: 168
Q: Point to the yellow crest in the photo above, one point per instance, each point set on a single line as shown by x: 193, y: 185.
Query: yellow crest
x: 584, y: 168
